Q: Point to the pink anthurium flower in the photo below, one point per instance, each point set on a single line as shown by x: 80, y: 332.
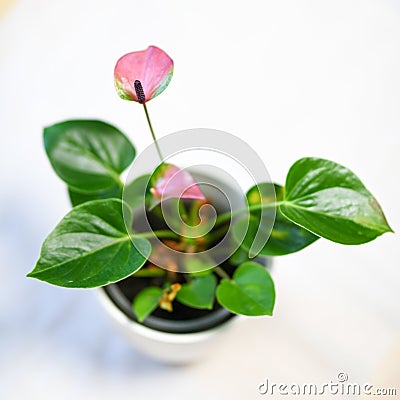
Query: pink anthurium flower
x: 169, y: 181
x: 142, y: 75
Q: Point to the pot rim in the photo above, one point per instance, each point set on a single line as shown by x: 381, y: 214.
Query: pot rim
x: 194, y: 325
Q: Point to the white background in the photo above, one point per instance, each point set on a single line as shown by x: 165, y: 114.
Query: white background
x: 293, y: 79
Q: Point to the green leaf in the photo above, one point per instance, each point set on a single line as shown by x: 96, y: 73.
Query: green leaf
x: 250, y: 291
x: 88, y: 155
x: 286, y: 237
x: 199, y: 293
x: 90, y: 247
x: 77, y: 198
x: 331, y: 201
x: 135, y: 192
x: 146, y: 302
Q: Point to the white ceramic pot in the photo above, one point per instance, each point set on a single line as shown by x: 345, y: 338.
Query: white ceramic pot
x: 171, y: 348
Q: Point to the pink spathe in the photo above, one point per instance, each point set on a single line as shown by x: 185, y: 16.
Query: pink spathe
x: 152, y: 67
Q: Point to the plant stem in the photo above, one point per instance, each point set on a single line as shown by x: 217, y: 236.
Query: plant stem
x: 166, y: 234
x: 162, y: 234
x: 221, y: 272
x: 228, y: 215
x: 152, y: 132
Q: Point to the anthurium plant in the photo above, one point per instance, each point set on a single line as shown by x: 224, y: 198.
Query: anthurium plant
x: 95, y: 244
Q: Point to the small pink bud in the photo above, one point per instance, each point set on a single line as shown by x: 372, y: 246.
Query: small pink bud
x: 169, y: 181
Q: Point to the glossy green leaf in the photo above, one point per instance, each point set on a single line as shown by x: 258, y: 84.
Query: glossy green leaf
x: 146, y: 302
x: 90, y: 247
x: 199, y: 293
x: 250, y: 291
x: 135, y: 192
x: 331, y: 201
x: 286, y: 237
x: 88, y: 155
x: 77, y: 198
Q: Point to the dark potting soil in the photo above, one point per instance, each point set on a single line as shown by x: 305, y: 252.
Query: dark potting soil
x: 131, y: 286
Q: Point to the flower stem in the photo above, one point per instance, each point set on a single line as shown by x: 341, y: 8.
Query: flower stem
x: 152, y: 132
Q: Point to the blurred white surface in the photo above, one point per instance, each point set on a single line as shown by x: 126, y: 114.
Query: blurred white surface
x: 292, y: 78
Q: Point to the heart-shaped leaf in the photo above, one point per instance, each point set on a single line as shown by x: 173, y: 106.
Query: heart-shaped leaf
x: 331, y: 201
x: 250, y: 291
x: 199, y: 293
x: 146, y: 302
x: 90, y: 247
x: 286, y: 237
x: 88, y: 155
